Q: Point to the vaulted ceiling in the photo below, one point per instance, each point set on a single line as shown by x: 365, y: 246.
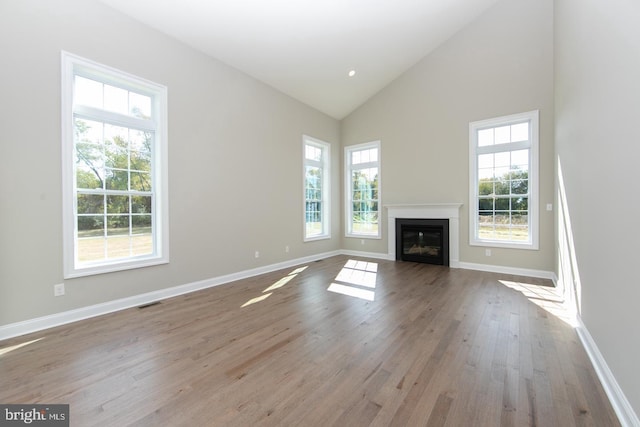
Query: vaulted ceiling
x: 306, y: 48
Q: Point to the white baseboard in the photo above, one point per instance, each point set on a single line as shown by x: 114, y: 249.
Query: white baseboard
x: 375, y: 255
x: 541, y: 274
x: 622, y: 407
x: 45, y: 322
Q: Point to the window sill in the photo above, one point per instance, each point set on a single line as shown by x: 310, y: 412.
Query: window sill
x: 506, y: 245
x: 114, y: 267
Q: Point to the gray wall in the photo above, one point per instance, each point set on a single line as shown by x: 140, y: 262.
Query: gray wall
x: 501, y: 64
x: 598, y: 146
x: 235, y: 153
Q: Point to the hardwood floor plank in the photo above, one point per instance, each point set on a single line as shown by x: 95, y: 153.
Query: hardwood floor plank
x: 435, y: 347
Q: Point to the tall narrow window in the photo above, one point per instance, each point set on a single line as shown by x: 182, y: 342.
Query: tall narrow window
x: 316, y: 189
x: 362, y: 176
x: 114, y: 169
x: 504, y: 181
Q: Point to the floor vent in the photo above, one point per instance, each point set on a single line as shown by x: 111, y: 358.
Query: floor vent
x: 149, y: 305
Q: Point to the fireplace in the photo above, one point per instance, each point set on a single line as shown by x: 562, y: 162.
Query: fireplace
x: 450, y: 211
x: 422, y: 240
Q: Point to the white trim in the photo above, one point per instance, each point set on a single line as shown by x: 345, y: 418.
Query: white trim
x: 541, y: 274
x: 450, y: 211
x: 45, y: 322
x: 621, y: 406
x: 375, y: 255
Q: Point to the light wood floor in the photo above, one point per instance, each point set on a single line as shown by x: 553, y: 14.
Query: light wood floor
x: 436, y: 346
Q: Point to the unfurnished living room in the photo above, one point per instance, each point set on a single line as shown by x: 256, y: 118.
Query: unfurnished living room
x: 315, y: 213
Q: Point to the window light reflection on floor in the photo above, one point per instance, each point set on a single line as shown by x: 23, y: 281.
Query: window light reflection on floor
x: 354, y: 277
x: 9, y: 349
x: 277, y: 285
x: 548, y: 298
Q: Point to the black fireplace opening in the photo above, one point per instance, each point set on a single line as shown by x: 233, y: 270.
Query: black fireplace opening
x: 422, y: 240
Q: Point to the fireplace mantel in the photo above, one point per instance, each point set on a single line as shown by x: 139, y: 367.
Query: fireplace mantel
x: 450, y: 211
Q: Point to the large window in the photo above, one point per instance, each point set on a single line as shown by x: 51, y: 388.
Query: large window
x: 504, y: 181
x: 362, y: 176
x: 114, y: 169
x: 316, y: 189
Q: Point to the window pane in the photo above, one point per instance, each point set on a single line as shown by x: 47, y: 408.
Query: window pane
x: 117, y: 180
x: 502, y: 204
x: 520, y: 132
x: 141, y: 224
x: 116, y: 99
x: 118, y: 247
x: 502, y: 134
x: 117, y: 225
x: 140, y: 181
x: 485, y: 187
x: 485, y: 204
x: 140, y: 161
x: 520, y: 186
x: 313, y: 153
x: 89, y: 166
x: 485, y: 161
x: 87, y: 92
x: 373, y: 155
x: 117, y: 135
x: 140, y: 204
x: 355, y: 158
x: 117, y: 204
x: 88, y: 131
x: 520, y: 159
x: 142, y: 244
x: 140, y: 141
x: 90, y: 203
x: 115, y: 156
x: 90, y: 225
x: 139, y: 105
x: 519, y: 203
x: 485, y: 137
x: 502, y: 187
x: 502, y: 159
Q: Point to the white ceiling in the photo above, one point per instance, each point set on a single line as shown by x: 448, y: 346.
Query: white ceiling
x: 305, y: 48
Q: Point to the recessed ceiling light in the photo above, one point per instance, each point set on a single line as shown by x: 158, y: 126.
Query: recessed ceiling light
x: 352, y: 73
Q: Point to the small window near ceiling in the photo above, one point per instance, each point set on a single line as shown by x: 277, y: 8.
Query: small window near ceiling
x: 504, y: 181
x: 317, y: 187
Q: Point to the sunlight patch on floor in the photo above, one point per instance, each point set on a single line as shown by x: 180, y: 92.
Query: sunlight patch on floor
x: 546, y: 297
x: 255, y: 300
x: 277, y: 285
x: 9, y: 349
x: 354, y: 277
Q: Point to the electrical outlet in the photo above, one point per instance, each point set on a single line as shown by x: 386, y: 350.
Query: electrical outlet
x: 487, y: 252
x: 286, y: 248
x: 58, y: 290
x: 362, y: 241
x: 257, y: 254
x: 549, y: 207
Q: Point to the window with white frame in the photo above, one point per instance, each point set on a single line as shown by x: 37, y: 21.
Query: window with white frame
x: 316, y: 189
x: 362, y: 177
x: 114, y: 146
x: 504, y: 181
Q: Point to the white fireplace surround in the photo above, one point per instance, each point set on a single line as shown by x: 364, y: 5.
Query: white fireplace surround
x: 450, y: 211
